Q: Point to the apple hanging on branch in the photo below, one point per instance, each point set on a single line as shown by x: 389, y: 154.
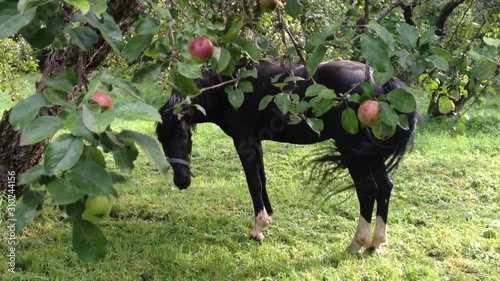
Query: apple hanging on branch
x: 368, y: 112
x: 103, y: 99
x: 201, y: 49
x: 96, y: 208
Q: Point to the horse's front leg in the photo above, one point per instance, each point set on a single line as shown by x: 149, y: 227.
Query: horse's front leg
x: 250, y: 152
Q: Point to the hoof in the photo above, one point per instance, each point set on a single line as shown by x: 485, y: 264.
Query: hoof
x: 258, y: 237
x: 354, y: 249
x: 374, y: 250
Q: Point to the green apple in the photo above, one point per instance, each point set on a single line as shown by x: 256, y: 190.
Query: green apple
x: 96, y: 208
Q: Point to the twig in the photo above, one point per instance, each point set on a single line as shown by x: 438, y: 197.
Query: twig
x: 219, y: 85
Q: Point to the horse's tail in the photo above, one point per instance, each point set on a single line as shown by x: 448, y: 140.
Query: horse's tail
x: 329, y: 161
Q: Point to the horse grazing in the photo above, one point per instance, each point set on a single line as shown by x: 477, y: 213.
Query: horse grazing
x: 367, y: 159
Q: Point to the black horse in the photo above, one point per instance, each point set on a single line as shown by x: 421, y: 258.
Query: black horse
x: 367, y: 159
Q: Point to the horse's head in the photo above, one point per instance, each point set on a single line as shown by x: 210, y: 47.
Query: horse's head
x: 174, y: 133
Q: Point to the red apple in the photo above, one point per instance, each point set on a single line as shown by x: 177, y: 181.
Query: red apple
x: 368, y: 113
x: 201, y: 49
x: 103, y: 99
x: 267, y: 6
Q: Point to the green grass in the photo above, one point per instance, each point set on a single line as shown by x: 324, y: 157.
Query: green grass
x: 444, y: 220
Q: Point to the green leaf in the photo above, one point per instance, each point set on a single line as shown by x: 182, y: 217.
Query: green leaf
x: 93, y: 154
x: 314, y: 90
x: 148, y: 73
x: 233, y: 26
x: 248, y: 47
x: 315, y: 124
x: 262, y: 42
x: 403, y: 121
x: 438, y: 61
x: 84, y: 37
x: 491, y: 42
x: 137, y: 111
x: 89, y: 242
x: 60, y: 83
x: 428, y: 36
x: 111, y: 32
x: 315, y: 59
x: 24, y: 213
x: 265, y: 101
x: 11, y: 21
x: 383, y: 131
x: 443, y: 53
x: 235, y: 97
x: 32, y: 175
x: 82, y: 5
x: 245, y: 73
x: 376, y: 52
x: 381, y: 77
x: 57, y: 97
x: 33, y: 197
x: 90, y: 178
x: 283, y: 102
x: 224, y: 59
x: 445, y: 105
x: 125, y: 156
x: 388, y: 115
x: 245, y: 86
x: 74, y: 123
x: 63, y: 192
x: 383, y: 33
x: 146, y: 25
x: 189, y: 70
x: 40, y: 128
x: 367, y: 89
x: 62, y: 154
x: 409, y: 34
x: 328, y: 94
x: 150, y: 147
x: 96, y: 121
x: 350, y: 121
x: 26, y: 110
x: 185, y: 85
x: 98, y: 6
x: 402, y: 100
x: 127, y: 87
x: 293, y: 8
x: 135, y: 46
x: 320, y: 106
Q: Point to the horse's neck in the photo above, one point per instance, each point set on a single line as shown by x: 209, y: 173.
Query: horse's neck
x: 213, y: 102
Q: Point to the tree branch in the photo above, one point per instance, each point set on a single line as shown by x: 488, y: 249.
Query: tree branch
x: 445, y: 13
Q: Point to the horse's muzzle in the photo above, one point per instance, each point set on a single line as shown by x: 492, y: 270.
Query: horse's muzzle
x: 182, y: 182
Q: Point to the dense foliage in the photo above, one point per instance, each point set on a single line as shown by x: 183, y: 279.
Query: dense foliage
x: 16, y: 57
x: 391, y: 37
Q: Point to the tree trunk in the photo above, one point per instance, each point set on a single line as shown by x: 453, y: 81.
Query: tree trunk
x: 18, y: 159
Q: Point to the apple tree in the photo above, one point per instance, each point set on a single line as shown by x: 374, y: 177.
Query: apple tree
x: 57, y: 138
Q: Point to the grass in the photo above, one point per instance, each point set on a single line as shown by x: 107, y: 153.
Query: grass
x: 444, y: 220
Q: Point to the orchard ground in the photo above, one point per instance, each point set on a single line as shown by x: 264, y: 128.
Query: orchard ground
x: 444, y: 222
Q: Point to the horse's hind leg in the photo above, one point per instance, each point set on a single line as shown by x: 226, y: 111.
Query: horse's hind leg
x: 366, y: 189
x: 385, y: 185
